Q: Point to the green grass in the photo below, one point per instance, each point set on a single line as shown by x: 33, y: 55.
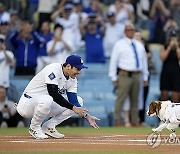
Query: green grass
x: 89, y: 130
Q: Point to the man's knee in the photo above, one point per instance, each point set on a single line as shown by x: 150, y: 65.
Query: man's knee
x: 46, y: 100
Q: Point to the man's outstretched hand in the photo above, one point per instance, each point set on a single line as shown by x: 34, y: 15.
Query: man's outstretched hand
x: 80, y: 111
x: 83, y: 113
x: 92, y: 120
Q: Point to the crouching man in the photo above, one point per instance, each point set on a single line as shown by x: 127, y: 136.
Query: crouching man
x: 53, y: 93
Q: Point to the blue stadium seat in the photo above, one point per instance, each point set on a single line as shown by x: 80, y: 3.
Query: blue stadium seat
x: 20, y: 82
x: 156, y: 59
x: 98, y: 109
x: 154, y: 94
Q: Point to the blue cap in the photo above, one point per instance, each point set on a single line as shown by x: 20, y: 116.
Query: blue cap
x: 92, y: 15
x: 4, y: 23
x: 75, y: 61
x: 68, y: 6
x: 110, y: 14
x: 77, y: 2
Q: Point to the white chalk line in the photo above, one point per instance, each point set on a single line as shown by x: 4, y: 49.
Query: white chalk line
x: 75, y: 138
x: 71, y: 137
x: 98, y: 140
x: 118, y: 135
x: 67, y: 140
x: 93, y: 137
x: 83, y: 140
x: 93, y: 143
x: 83, y: 143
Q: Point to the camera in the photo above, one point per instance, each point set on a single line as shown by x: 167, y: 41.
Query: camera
x: 174, y: 38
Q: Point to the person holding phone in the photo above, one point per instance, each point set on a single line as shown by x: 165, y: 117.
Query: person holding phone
x: 57, y: 48
x: 170, y: 74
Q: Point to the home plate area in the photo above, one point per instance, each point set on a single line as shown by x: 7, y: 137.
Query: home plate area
x: 85, y: 143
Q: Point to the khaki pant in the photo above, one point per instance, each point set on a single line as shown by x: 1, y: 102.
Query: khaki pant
x: 128, y: 85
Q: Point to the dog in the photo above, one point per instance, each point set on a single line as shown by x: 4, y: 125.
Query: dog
x: 168, y: 112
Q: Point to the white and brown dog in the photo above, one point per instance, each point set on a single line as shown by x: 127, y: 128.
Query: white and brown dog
x: 168, y: 112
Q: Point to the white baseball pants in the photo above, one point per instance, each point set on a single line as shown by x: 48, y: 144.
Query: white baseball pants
x: 40, y: 107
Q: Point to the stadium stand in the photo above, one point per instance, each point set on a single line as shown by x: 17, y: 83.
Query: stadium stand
x: 96, y: 88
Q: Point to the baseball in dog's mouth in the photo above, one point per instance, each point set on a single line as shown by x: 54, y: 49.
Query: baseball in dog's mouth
x: 150, y: 114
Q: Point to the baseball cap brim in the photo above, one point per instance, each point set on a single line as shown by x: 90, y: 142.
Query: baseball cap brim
x: 80, y: 66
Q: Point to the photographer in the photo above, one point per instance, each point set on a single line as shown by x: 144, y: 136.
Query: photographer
x: 170, y: 75
x: 8, y: 114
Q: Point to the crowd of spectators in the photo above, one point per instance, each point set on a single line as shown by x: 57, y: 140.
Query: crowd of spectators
x: 35, y: 33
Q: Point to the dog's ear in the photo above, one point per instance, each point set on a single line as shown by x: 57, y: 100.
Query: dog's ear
x: 152, y: 107
x: 157, y: 106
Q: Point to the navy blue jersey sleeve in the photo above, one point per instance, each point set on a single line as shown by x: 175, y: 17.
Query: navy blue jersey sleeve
x: 72, y: 97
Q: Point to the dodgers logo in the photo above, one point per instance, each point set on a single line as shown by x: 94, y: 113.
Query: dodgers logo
x: 52, y: 76
x: 81, y: 61
x: 62, y: 91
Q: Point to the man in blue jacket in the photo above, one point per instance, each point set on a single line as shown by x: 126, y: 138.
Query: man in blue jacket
x: 26, y: 43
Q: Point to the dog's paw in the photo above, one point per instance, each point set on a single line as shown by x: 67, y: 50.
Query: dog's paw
x: 172, y: 135
x: 155, y: 130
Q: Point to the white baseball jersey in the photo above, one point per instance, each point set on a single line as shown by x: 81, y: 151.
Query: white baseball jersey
x: 40, y: 103
x: 121, y: 15
x: 71, y: 32
x: 51, y: 74
x: 112, y: 34
x: 4, y: 68
x: 60, y: 53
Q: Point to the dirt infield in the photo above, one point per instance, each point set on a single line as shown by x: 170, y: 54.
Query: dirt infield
x: 85, y: 143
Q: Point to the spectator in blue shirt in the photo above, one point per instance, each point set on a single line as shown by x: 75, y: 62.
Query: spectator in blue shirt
x: 93, y: 34
x: 4, y: 30
x: 46, y: 34
x: 26, y: 42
